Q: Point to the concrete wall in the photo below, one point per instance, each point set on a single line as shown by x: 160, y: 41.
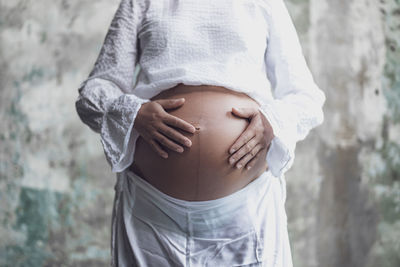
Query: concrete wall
x: 56, y: 189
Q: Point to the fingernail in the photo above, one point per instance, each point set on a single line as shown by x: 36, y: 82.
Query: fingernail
x: 248, y: 167
x: 179, y: 149
x: 239, y: 166
x: 188, y: 142
x: 232, y: 150
x: 231, y: 161
x: 164, y: 155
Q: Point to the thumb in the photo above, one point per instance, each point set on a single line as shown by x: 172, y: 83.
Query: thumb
x: 243, y: 112
x: 171, y: 103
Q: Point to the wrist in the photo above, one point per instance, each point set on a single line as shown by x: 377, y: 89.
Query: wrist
x: 268, y: 130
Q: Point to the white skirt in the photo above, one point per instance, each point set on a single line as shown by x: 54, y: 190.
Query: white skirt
x: 246, y: 228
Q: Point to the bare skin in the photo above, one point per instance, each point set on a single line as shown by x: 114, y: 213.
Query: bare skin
x: 214, y: 121
x: 153, y: 123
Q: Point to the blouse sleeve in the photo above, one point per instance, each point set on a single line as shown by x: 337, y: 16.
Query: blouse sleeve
x: 297, y: 104
x: 106, y: 102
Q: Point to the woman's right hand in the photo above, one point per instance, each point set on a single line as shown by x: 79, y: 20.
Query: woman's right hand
x: 152, y: 123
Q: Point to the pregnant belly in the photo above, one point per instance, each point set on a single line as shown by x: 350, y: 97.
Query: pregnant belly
x: 201, y: 172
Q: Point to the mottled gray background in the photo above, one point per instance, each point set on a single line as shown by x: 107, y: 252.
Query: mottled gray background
x: 56, y: 188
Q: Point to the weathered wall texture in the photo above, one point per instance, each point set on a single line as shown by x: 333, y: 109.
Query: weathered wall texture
x: 56, y: 189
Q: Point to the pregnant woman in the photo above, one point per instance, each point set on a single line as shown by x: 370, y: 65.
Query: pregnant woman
x: 202, y: 135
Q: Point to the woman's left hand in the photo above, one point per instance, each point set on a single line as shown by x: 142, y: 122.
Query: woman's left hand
x: 255, y: 138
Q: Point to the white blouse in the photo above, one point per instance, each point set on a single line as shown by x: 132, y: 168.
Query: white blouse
x: 248, y: 46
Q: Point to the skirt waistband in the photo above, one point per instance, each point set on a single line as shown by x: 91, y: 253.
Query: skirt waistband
x: 204, y: 204
x: 199, y: 218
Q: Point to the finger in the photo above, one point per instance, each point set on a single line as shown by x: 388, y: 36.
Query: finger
x: 244, y: 112
x: 243, y: 161
x: 269, y: 145
x: 178, y: 123
x: 157, y: 148
x: 174, y: 135
x: 167, y: 142
x: 244, y: 150
x: 170, y: 103
x: 248, y: 134
x: 253, y: 161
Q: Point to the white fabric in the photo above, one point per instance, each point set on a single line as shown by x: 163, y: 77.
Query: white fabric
x: 246, y: 228
x: 248, y: 46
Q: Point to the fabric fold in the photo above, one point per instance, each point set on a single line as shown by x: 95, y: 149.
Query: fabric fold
x: 297, y: 102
